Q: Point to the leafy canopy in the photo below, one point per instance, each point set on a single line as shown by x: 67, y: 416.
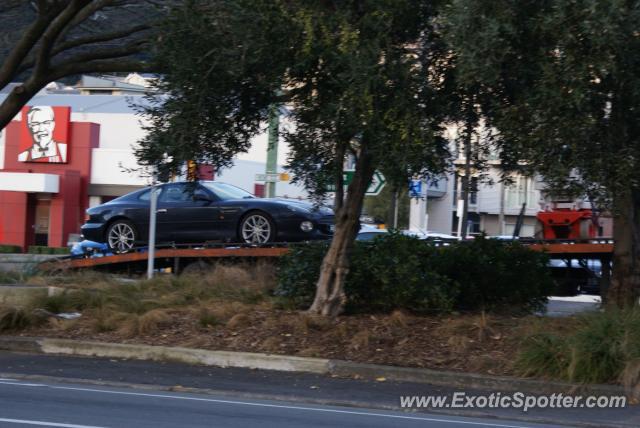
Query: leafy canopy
x: 562, y: 85
x: 352, y: 74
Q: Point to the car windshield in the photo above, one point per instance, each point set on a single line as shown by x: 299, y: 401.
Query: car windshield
x: 226, y: 191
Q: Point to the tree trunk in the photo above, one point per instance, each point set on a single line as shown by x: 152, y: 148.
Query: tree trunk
x: 17, y: 99
x: 625, y: 282
x: 330, y: 296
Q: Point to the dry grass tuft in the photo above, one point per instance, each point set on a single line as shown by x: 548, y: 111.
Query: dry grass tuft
x: 306, y: 322
x: 483, y: 327
x: 15, y: 318
x: 312, y: 351
x: 341, y: 330
x: 239, y: 321
x: 397, y: 319
x: 458, y: 344
x: 140, y: 325
x: 360, y: 340
x: 270, y: 344
x: 207, y: 318
x: 105, y: 320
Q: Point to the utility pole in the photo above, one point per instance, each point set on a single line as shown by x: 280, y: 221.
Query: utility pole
x: 272, y: 148
x: 153, y: 214
x: 466, y: 182
x: 501, y: 214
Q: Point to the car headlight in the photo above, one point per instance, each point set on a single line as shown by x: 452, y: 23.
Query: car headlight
x: 306, y: 226
x: 297, y: 209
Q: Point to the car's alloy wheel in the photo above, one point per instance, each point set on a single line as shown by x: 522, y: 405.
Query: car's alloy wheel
x: 121, y: 237
x: 256, y: 229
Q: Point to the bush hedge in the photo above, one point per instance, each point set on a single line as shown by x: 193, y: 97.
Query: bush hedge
x: 402, y: 272
x: 41, y: 249
x: 8, y: 249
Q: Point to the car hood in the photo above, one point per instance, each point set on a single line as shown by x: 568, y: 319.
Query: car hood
x: 303, y: 204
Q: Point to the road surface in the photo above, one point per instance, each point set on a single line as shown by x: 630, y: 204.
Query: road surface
x: 124, y: 393
x: 27, y: 403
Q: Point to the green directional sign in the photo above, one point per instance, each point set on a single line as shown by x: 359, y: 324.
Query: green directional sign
x: 377, y: 182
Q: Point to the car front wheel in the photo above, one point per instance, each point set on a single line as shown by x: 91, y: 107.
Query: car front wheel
x: 121, y: 236
x: 257, y: 228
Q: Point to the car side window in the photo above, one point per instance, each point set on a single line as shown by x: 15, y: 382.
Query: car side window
x: 145, y: 196
x: 176, y: 193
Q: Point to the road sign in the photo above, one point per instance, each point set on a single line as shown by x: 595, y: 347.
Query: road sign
x: 375, y: 187
x: 417, y: 189
x: 272, y: 177
x: 377, y: 184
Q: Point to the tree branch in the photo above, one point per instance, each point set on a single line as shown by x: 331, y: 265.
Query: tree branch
x: 30, y: 37
x: 53, y: 31
x: 86, y: 40
x: 119, y: 52
x: 98, y: 38
x: 100, y: 66
x: 87, y: 12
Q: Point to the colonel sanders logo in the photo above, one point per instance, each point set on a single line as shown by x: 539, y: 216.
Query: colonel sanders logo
x: 47, y: 134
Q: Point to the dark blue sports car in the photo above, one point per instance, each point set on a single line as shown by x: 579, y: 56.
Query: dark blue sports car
x: 205, y: 211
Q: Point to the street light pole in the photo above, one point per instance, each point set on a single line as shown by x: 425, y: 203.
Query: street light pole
x: 272, y: 148
x: 152, y: 231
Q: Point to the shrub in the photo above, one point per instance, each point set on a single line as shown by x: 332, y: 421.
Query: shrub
x: 602, y: 347
x: 401, y: 272
x: 41, y: 249
x: 8, y: 248
x: 495, y: 275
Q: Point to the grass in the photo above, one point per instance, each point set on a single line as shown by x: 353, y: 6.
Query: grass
x: 142, y: 307
x: 601, y: 347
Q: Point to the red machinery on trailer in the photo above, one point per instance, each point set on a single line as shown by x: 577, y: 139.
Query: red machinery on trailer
x: 567, y: 223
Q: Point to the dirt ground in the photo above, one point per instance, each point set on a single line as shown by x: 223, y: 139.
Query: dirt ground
x: 472, y: 343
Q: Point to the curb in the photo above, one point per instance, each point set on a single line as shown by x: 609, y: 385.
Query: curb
x: 297, y: 364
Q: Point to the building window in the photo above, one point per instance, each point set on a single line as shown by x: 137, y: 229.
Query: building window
x: 522, y: 191
x: 457, y: 190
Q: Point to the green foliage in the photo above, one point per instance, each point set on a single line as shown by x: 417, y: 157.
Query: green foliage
x: 603, y: 347
x: 562, y: 85
x: 222, y: 64
x: 496, y: 275
x: 42, y: 249
x: 402, y: 272
x: 353, y: 74
x: 380, y: 206
x: 246, y: 284
x: 7, y: 249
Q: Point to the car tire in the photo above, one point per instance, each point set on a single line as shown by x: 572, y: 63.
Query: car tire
x: 121, y: 236
x: 256, y: 227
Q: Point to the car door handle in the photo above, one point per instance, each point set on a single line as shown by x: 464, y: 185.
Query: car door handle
x: 161, y: 210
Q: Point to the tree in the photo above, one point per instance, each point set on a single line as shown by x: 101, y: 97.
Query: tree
x: 564, y: 91
x: 358, y: 76
x: 53, y: 39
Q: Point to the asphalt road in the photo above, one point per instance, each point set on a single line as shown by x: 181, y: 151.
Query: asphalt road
x: 76, y: 390
x: 80, y: 406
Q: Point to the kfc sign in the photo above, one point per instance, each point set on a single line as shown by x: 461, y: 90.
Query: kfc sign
x: 45, y: 134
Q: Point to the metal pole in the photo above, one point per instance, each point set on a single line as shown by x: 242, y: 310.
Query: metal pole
x: 396, y: 197
x: 501, y: 214
x: 272, y: 148
x: 152, y: 231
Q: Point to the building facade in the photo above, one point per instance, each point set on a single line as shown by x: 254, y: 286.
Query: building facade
x: 72, y: 148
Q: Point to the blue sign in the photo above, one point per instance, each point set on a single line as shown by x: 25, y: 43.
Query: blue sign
x: 415, y: 189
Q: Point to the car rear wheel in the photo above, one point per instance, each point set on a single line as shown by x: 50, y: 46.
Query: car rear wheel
x: 257, y: 228
x: 121, y: 236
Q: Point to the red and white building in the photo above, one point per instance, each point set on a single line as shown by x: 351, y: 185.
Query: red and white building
x: 72, y: 148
